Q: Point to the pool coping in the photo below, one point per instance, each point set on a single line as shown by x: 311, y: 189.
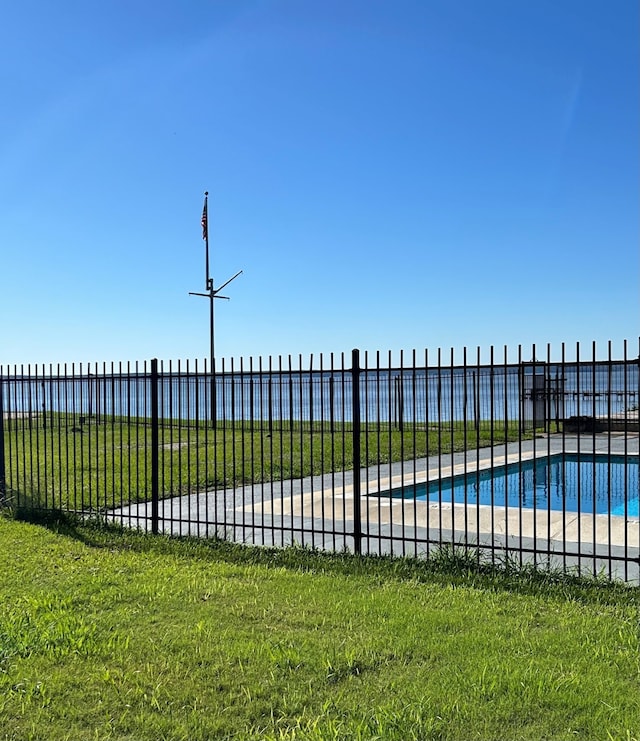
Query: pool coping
x: 319, y: 510
x: 481, y: 520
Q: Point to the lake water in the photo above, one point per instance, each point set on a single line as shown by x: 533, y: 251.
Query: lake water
x: 404, y: 394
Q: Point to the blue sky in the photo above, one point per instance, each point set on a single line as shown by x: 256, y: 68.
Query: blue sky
x: 388, y: 175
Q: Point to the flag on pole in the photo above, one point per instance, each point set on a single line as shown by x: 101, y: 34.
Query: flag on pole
x: 203, y: 220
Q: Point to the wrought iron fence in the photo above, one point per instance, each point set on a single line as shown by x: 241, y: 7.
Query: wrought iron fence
x: 533, y: 460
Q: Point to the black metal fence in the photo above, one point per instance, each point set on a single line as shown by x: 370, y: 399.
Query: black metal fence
x: 532, y: 460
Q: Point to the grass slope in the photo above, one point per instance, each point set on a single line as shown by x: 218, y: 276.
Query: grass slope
x: 114, y: 635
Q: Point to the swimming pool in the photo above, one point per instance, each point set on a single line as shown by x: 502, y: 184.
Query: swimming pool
x: 590, y: 484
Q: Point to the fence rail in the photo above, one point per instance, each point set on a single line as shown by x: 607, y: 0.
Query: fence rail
x: 532, y: 460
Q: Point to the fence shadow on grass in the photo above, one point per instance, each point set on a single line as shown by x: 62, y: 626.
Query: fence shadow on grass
x: 448, y: 566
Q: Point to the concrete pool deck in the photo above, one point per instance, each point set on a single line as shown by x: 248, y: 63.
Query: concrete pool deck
x: 318, y: 511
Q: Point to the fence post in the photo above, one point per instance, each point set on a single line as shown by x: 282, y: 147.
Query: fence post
x: 155, y: 440
x: 355, y: 402
x: 3, y: 485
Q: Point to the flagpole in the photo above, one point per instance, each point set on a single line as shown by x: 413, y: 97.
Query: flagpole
x: 205, y: 235
x: 211, y: 294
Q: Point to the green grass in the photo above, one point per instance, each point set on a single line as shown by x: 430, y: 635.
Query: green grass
x: 106, y: 634
x: 105, y: 465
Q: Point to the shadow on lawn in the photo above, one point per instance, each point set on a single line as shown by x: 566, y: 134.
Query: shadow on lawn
x: 458, y: 566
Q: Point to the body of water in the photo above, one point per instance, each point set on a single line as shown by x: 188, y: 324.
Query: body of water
x: 589, y: 484
x: 408, y: 395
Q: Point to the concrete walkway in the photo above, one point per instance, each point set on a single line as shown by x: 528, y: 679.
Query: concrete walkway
x: 318, y: 512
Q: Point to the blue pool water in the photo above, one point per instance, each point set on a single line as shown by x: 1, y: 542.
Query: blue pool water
x: 590, y: 484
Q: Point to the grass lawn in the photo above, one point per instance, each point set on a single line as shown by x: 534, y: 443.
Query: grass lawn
x: 116, y: 635
x: 108, y: 464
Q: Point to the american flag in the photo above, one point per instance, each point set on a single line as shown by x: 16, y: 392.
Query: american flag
x: 203, y: 220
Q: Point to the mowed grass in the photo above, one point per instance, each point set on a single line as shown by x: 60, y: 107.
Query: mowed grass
x: 106, y: 634
x: 105, y: 464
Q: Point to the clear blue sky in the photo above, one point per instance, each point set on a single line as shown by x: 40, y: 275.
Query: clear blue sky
x: 389, y: 175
